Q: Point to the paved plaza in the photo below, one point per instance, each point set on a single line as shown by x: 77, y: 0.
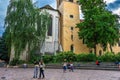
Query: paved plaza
x: 57, y: 74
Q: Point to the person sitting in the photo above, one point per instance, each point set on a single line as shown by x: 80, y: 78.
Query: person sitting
x: 97, y: 63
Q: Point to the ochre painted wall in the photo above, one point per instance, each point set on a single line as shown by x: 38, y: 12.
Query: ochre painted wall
x: 66, y: 9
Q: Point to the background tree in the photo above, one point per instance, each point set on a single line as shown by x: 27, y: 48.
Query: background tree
x: 100, y: 26
x: 42, y: 22
x: 3, y: 49
x: 22, y: 25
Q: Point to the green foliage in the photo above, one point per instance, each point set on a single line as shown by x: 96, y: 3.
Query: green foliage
x: 16, y: 61
x: 68, y: 56
x: 71, y: 57
x: 86, y: 57
x: 20, y: 22
x: 108, y: 57
x: 3, y: 50
x: 60, y: 57
x: 25, y: 26
x: 100, y: 26
x: 117, y: 57
x: 43, y: 21
x: 34, y: 57
x: 48, y: 58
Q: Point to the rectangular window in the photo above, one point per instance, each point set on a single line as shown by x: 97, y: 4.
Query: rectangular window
x: 71, y: 28
x: 71, y: 16
x: 84, y: 42
x: 72, y: 37
x: 71, y: 0
x: 49, y: 33
x: 77, y: 2
x: 72, y: 48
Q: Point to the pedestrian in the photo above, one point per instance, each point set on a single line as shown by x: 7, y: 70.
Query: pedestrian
x: 119, y: 65
x: 42, y: 68
x: 64, y: 67
x: 36, y: 67
x: 71, y: 66
x: 97, y: 63
x: 68, y: 66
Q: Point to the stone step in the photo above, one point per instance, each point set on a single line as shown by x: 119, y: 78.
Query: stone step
x: 103, y: 67
x: 92, y: 66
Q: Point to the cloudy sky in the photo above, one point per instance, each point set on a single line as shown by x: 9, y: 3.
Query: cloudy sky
x: 113, y: 5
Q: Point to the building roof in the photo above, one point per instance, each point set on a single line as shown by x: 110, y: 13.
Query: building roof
x: 48, y: 7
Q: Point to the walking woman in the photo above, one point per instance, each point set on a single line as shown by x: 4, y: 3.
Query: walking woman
x: 42, y: 68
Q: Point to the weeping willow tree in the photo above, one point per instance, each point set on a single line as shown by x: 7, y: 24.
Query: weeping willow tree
x: 25, y: 26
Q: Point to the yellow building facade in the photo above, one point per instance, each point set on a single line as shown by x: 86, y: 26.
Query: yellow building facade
x: 69, y: 40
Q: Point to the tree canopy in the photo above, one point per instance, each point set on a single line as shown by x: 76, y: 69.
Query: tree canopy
x: 3, y: 49
x: 25, y: 26
x: 100, y: 26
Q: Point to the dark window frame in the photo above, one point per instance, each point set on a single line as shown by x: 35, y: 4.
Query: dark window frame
x: 49, y: 33
x: 72, y: 48
x: 71, y: 28
x: 100, y: 52
x: 71, y: 0
x: 72, y: 37
x: 71, y: 16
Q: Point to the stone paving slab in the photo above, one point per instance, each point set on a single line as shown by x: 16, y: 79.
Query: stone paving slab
x: 57, y: 74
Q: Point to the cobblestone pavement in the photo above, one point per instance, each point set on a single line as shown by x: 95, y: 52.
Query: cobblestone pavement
x: 57, y: 74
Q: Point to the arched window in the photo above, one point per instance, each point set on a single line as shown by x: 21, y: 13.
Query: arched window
x: 91, y: 51
x: 100, y: 53
x: 72, y: 48
x: 49, y: 33
x: 72, y: 37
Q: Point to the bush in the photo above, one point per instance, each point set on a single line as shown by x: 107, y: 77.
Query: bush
x: 91, y: 57
x: 34, y: 58
x: 48, y: 58
x: 16, y: 61
x: 107, y: 57
x: 67, y: 56
x: 117, y: 57
x: 86, y: 57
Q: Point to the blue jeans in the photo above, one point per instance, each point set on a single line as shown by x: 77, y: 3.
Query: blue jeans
x: 64, y: 68
x: 41, y: 73
x: 35, y: 72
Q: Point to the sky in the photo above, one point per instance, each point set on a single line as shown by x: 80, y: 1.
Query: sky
x: 112, y: 5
